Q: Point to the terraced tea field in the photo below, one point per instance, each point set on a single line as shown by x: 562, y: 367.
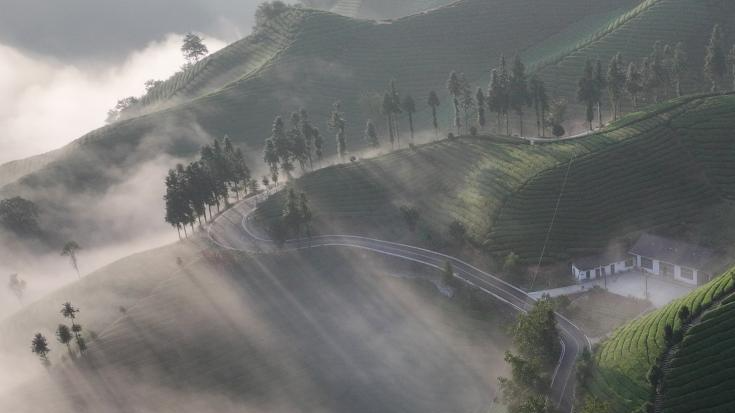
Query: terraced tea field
x: 700, y: 377
x: 649, y: 170
x: 624, y: 359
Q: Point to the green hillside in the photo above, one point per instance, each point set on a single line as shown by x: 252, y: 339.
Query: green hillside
x: 305, y: 58
x: 284, y: 332
x: 633, y: 34
x: 700, y: 377
x: 655, y: 170
x: 623, y: 360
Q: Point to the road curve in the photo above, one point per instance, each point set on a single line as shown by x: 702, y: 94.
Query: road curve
x: 231, y: 231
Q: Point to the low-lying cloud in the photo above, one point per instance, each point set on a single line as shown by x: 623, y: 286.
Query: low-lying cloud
x: 45, y: 103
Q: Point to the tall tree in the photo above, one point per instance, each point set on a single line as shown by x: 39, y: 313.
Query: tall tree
x: 305, y: 214
x: 600, y: 82
x: 396, y: 109
x: 494, y: 97
x: 586, y: 91
x: 70, y: 249
x: 70, y: 312
x: 39, y: 346
x: 173, y: 201
x: 64, y: 336
x: 193, y: 48
x: 318, y: 144
x: 504, y: 89
x: 292, y: 213
x: 190, y: 215
x: 338, y: 124
x: 371, y: 135
x: 540, y: 102
x: 388, y: 112
x: 633, y: 83
x: 454, y: 87
x: 519, y: 96
x: 679, y: 67
x: 308, y: 132
x: 297, y: 141
x: 615, y: 83
x: 433, y: 102
x: 17, y: 286
x: 409, y: 106
x: 467, y: 102
x: 481, y: 105
x: 715, y: 64
x: 535, y: 334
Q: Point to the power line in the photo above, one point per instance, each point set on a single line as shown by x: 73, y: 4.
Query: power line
x: 553, y: 220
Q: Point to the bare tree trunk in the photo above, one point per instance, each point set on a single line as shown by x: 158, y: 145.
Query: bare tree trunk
x: 178, y: 230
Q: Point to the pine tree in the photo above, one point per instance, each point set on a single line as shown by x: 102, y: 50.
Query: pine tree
x: 467, y: 102
x: 679, y: 67
x: 387, y: 109
x: 171, y: 198
x: 70, y: 312
x: 318, y: 144
x: 715, y: 65
x: 193, y: 181
x: 187, y: 204
x: 308, y: 132
x: 396, y: 109
x: 371, y: 135
x: 454, y: 87
x: 433, y: 102
x: 70, y: 250
x: 64, y: 336
x: 338, y: 124
x: 409, y: 106
x: 615, y: 83
x: 504, y: 92
x: 600, y: 83
x: 39, y: 346
x: 586, y: 93
x: 633, y: 83
x: 494, y: 97
x: 519, y: 96
x: 481, y: 105
x: 540, y: 102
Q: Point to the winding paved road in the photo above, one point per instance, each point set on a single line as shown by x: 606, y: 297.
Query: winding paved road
x: 231, y: 231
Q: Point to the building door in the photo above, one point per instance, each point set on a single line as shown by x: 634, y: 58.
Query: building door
x: 612, y: 269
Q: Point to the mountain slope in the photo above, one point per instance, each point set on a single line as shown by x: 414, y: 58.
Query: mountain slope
x: 284, y: 332
x: 656, y: 170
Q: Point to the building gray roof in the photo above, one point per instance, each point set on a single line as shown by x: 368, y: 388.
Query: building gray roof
x: 672, y: 251
x: 595, y: 261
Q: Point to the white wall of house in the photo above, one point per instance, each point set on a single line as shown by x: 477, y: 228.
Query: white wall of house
x: 679, y: 271
x: 581, y: 274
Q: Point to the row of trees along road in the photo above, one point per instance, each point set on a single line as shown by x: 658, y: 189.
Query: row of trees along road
x: 193, y: 190
x: 64, y: 335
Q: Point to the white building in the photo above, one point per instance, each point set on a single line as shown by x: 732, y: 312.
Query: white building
x: 600, y: 266
x: 678, y: 260
x: 652, y: 254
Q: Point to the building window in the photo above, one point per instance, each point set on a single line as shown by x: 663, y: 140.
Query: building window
x: 646, y: 263
x: 667, y: 269
x: 597, y: 273
x: 588, y: 275
x: 687, y: 273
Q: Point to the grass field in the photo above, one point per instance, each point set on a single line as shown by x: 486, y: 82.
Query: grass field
x: 624, y: 359
x: 308, y: 332
x: 656, y: 170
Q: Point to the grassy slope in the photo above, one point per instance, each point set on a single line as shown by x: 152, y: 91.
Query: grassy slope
x: 314, y: 59
x: 701, y: 375
x: 651, y: 170
x: 289, y: 332
x: 624, y: 359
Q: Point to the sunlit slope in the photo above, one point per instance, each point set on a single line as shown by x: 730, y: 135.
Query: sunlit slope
x: 316, y: 59
x: 633, y: 34
x: 293, y: 332
x: 651, y: 170
x: 700, y: 377
x: 624, y: 360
